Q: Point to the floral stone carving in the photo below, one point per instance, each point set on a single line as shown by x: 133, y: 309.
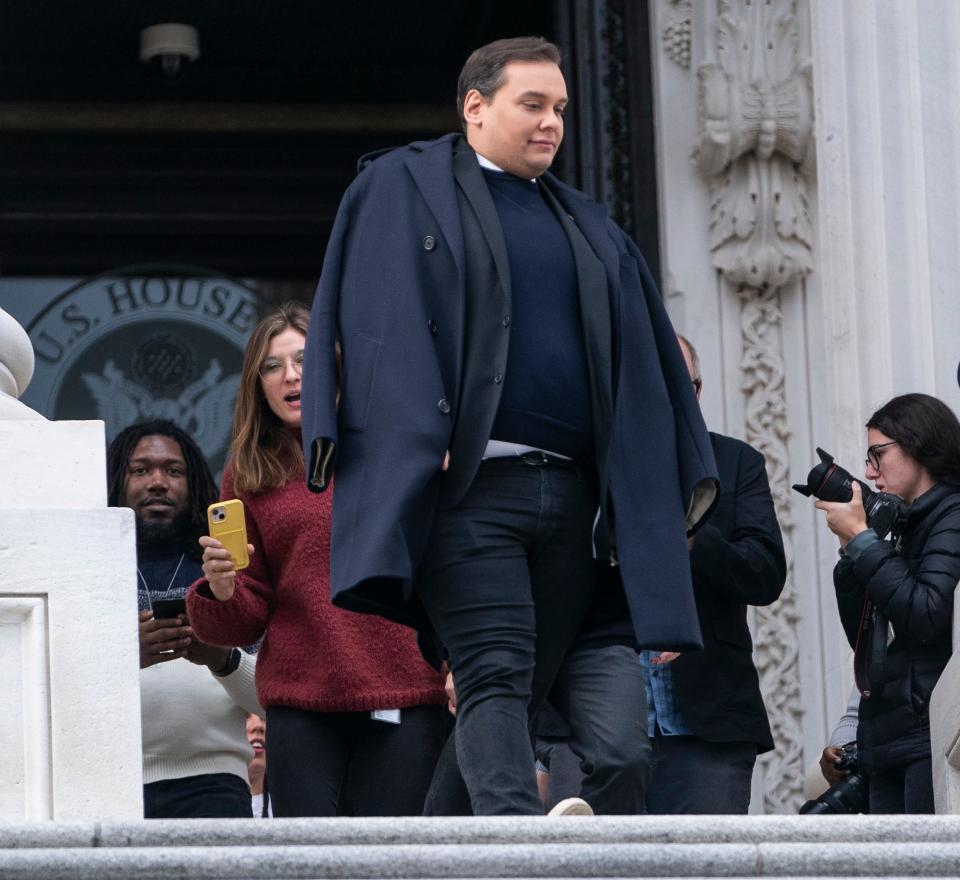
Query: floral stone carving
x: 756, y: 148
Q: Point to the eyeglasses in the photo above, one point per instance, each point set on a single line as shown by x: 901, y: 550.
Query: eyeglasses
x: 272, y: 370
x: 873, y: 454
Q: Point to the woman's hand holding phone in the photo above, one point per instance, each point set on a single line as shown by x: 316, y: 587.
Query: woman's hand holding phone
x: 219, y: 568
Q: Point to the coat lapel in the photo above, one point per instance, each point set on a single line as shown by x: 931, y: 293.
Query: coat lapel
x: 469, y: 177
x: 593, y: 286
x: 432, y: 172
x: 591, y: 219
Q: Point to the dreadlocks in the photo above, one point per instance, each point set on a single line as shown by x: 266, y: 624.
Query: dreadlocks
x: 201, y: 487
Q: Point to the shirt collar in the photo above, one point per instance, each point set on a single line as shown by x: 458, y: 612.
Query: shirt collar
x: 486, y: 163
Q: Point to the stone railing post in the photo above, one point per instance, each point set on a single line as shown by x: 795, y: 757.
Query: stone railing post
x: 945, y: 727
x: 70, y: 726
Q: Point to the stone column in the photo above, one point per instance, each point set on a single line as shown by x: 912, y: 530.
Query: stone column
x: 70, y: 726
x: 814, y: 291
x: 887, y: 78
x: 737, y: 185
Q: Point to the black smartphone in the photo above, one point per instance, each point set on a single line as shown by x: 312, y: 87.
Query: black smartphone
x: 168, y: 609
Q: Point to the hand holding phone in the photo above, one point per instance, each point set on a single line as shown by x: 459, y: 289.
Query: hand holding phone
x: 226, y: 549
x: 229, y: 526
x: 161, y: 643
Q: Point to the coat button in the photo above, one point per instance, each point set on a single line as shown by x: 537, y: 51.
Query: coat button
x: 506, y: 321
x: 432, y: 325
x: 498, y: 378
x: 444, y: 405
x: 429, y: 242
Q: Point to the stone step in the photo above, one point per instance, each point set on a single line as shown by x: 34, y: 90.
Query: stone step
x: 663, y: 847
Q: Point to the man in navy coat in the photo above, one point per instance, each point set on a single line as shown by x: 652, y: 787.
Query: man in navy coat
x: 513, y: 405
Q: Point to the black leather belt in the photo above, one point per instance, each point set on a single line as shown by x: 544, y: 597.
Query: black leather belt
x: 536, y: 458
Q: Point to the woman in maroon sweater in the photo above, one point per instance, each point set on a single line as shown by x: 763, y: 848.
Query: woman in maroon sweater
x: 355, y: 717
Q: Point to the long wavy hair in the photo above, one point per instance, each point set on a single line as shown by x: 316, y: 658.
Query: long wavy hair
x: 927, y: 430
x: 266, y: 454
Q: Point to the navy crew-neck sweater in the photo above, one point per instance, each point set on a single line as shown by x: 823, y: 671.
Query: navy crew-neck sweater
x: 545, y: 401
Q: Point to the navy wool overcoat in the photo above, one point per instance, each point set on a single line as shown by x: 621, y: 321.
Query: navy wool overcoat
x: 392, y: 291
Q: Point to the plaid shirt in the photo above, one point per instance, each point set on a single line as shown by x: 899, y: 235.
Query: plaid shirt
x: 662, y: 708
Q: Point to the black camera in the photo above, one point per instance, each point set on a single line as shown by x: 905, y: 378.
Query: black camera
x: 830, y: 482
x: 849, y: 795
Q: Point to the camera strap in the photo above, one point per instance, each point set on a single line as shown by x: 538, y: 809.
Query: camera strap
x: 870, y: 651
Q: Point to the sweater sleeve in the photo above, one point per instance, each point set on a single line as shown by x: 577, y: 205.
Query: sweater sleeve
x: 240, y: 684
x: 241, y: 619
x: 846, y: 728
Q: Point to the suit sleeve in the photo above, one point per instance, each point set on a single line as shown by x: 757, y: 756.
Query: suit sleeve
x: 241, y: 619
x: 319, y: 390
x: 750, y: 566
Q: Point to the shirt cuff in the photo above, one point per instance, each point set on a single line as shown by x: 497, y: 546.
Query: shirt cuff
x: 858, y: 543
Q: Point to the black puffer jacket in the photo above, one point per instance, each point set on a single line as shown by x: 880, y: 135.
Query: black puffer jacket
x: 909, y: 583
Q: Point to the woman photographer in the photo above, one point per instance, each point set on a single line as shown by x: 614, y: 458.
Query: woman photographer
x: 356, y: 717
x: 896, y: 597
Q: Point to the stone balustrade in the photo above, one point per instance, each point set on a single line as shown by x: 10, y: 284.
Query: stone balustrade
x: 945, y: 728
x: 69, y: 657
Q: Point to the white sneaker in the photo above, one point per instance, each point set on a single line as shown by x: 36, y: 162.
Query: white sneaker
x: 573, y: 806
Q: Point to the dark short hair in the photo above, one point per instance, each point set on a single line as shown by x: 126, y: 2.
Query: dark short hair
x: 202, y: 490
x: 484, y: 68
x: 926, y: 429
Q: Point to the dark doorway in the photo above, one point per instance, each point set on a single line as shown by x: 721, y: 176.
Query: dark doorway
x: 241, y: 163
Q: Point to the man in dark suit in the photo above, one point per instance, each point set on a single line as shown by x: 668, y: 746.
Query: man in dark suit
x: 474, y: 490
x: 706, y: 716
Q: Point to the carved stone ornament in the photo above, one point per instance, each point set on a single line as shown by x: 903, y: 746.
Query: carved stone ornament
x: 756, y: 147
x: 756, y: 144
x: 676, y: 33
x: 776, y: 641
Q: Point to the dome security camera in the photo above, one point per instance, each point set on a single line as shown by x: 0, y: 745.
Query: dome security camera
x: 169, y: 48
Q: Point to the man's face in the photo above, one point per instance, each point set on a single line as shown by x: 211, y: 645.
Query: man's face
x: 520, y: 128
x: 156, y: 484
x: 691, y: 369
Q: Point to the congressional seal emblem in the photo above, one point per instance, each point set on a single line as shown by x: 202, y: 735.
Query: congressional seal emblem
x: 148, y: 342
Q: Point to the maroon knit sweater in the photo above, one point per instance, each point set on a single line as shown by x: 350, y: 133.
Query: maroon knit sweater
x: 314, y: 656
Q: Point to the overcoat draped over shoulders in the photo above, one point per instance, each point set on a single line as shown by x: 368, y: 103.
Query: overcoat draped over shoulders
x: 392, y: 292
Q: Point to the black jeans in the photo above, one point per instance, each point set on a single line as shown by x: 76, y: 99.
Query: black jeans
x: 507, y: 580
x: 348, y: 764
x: 692, y: 776
x: 906, y: 789
x: 206, y: 796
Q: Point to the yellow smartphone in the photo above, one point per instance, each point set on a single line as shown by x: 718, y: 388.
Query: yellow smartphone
x: 229, y: 526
